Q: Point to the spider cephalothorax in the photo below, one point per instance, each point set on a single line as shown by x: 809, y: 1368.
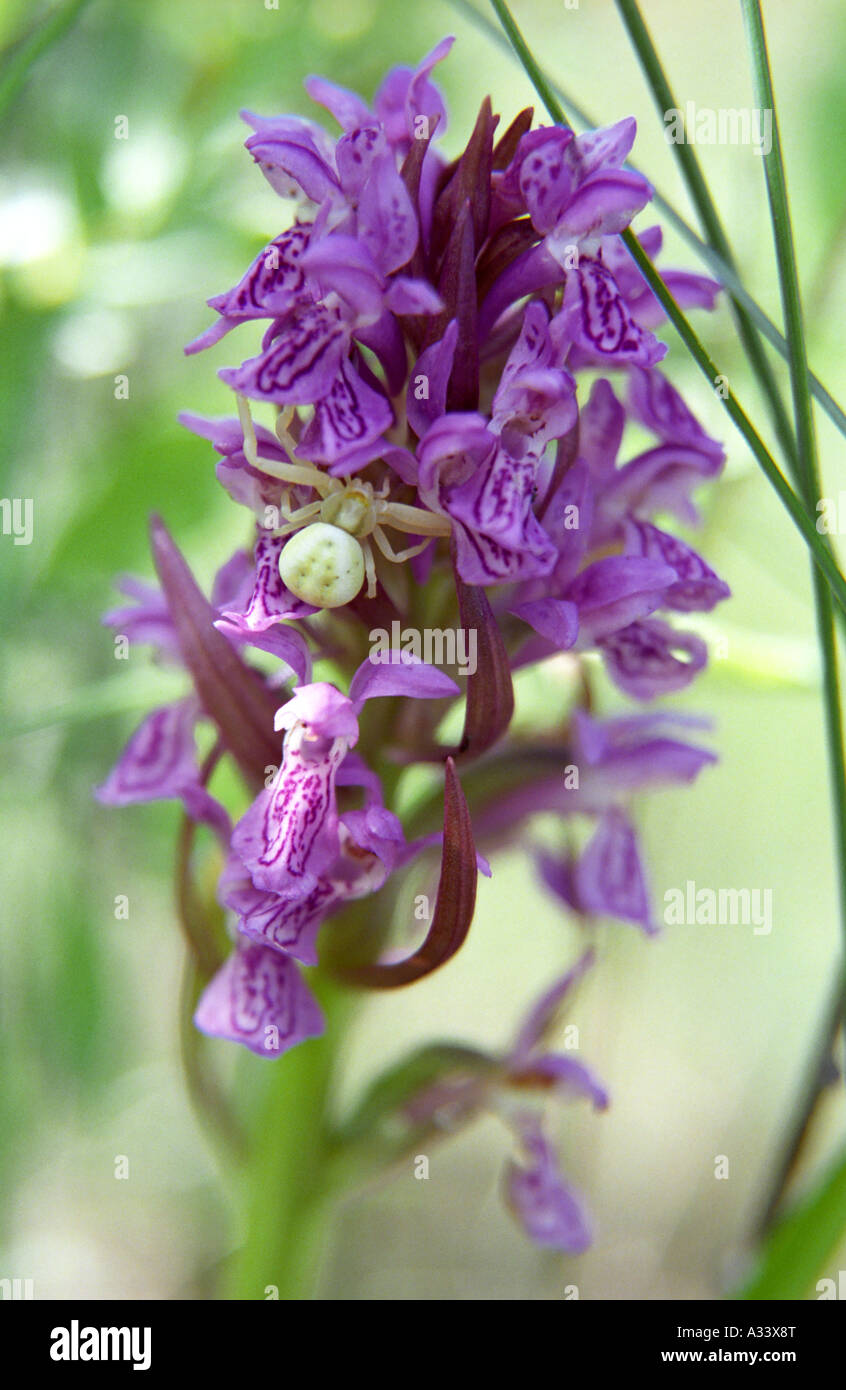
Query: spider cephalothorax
x: 328, y: 560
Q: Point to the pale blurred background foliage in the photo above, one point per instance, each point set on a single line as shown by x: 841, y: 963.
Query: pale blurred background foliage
x: 108, y: 250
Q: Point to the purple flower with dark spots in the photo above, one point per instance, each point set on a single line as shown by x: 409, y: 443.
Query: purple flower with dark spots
x: 259, y: 998
x: 443, y: 355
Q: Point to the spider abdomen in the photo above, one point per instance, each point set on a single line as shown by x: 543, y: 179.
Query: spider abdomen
x: 323, y: 565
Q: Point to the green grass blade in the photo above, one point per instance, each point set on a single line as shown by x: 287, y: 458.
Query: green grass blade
x: 808, y: 461
x: 800, y: 1246
x: 796, y: 509
x: 17, y: 62
x: 700, y: 196
x: 718, y: 267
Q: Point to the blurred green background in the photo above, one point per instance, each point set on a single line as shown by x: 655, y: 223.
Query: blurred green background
x: 108, y: 250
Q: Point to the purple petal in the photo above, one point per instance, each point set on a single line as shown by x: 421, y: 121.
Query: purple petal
x: 662, y: 479
x: 292, y: 154
x: 406, y: 295
x: 201, y: 806
x: 149, y: 621
x: 273, y: 283
x: 324, y: 709
x: 615, y: 591
x: 423, y: 97
x: 569, y: 1077
x: 556, y: 873
x: 258, y: 998
x: 284, y: 924
x: 289, y: 836
x: 688, y: 290
x: 609, y: 877
x: 407, y: 93
x: 270, y: 601
x: 227, y: 436
x: 158, y: 761
x: 542, y: 1014
x: 428, y: 382
x: 604, y: 205
x: 596, y: 317
x: 620, y: 755
x: 488, y: 496
x: 385, y: 340
x: 301, y: 365
x: 549, y: 1210
x: 642, y: 658
x: 354, y: 772
x: 604, y: 148
x: 553, y: 618
x: 536, y: 399
x: 343, y: 264
x: 398, y: 672
x: 349, y: 418
x: 535, y: 269
x: 234, y: 581
x: 658, y: 406
x: 386, y: 220
x: 546, y: 180
x: 355, y: 155
x: 566, y: 515
x: 697, y: 587
x: 348, y: 108
x: 280, y: 641
x: 601, y: 426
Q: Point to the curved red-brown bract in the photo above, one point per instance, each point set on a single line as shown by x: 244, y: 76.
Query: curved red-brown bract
x: 231, y: 694
x: 454, y: 906
x: 490, y: 693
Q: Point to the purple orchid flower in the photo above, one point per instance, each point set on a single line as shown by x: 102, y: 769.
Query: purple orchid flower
x: 259, y: 998
x: 426, y: 324
x: 516, y: 1087
x: 293, y: 857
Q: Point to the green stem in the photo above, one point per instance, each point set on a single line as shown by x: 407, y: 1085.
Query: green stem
x: 718, y: 266
x: 700, y: 195
x: 808, y: 461
x: 287, y: 1187
x: 701, y: 198
x: 808, y: 475
x: 795, y: 508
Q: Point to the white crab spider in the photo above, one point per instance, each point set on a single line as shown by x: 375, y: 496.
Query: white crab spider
x: 327, y: 562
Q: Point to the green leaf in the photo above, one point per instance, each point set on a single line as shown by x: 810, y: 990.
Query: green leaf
x: 386, y: 1096
x: 125, y: 693
x: 799, y: 1247
x: 15, y: 68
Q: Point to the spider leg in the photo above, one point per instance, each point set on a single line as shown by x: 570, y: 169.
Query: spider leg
x: 369, y: 567
x: 283, y: 420
x: 413, y: 519
x: 250, y: 445
x: 304, y: 474
x: 388, y: 550
x: 299, y: 517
